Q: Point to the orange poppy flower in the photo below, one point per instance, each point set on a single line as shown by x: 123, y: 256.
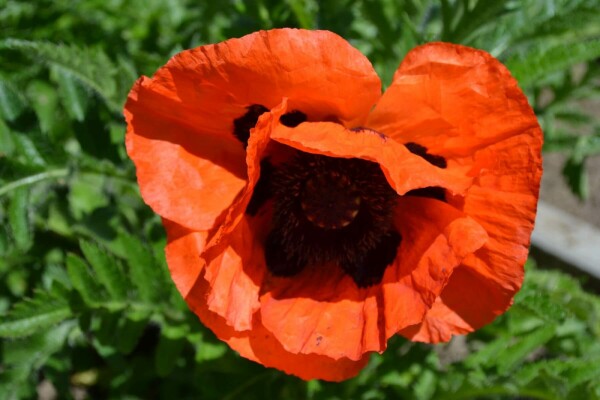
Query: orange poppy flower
x: 310, y: 218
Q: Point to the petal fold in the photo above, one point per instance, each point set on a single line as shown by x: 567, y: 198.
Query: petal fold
x: 404, y: 170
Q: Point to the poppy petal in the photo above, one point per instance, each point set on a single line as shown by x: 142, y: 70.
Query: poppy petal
x: 235, y: 275
x: 337, y: 319
x: 462, y: 104
x: 181, y: 121
x: 452, y: 99
x: 504, y: 203
x: 187, y: 270
x: 258, y: 144
x: 436, y: 239
x: 184, y: 176
x: 404, y: 170
x: 439, y: 324
x: 258, y: 344
x: 234, y: 254
x: 211, y: 86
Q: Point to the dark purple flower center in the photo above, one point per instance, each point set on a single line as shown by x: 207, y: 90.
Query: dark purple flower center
x: 329, y: 211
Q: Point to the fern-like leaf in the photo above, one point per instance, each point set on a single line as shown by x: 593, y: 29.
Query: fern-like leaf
x: 146, y: 274
x: 32, y: 315
x: 73, y: 94
x: 541, y: 62
x: 525, y: 345
x: 18, y: 217
x: 12, y: 103
x: 83, y: 281
x: 91, y: 67
x: 108, y: 271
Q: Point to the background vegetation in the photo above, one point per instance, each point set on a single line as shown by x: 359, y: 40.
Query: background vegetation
x: 87, y: 308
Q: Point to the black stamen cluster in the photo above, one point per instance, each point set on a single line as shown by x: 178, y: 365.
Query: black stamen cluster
x: 358, y: 235
x: 329, y: 210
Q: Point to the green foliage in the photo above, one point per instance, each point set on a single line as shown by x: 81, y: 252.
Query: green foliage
x: 44, y: 309
x: 86, y: 301
x: 71, y: 65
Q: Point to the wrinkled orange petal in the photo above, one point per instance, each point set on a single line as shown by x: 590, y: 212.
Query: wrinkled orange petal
x: 463, y: 104
x: 258, y: 143
x: 235, y: 275
x: 440, y: 323
x: 185, y: 177
x: 188, y: 267
x: 234, y: 254
x: 322, y: 311
x: 257, y: 344
x: 180, y: 121
x: 485, y: 284
x: 452, y: 99
x: 404, y: 170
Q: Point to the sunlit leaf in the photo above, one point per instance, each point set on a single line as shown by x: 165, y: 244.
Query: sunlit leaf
x: 12, y: 102
x: 18, y: 217
x: 108, y: 272
x: 83, y: 281
x: 538, y: 63
x: 32, y: 315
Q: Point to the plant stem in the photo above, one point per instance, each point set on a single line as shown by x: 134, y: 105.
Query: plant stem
x: 29, y: 180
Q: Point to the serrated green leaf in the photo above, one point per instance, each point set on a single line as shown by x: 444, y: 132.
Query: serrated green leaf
x: 17, y: 282
x: 539, y: 303
x: 584, y: 17
x: 586, y: 146
x: 524, y: 346
x: 33, y: 350
x: 105, y: 331
x: 18, y: 218
x: 107, y: 270
x: 22, y: 357
x: 573, y: 117
x: 531, y: 371
x: 12, y: 102
x: 474, y: 18
x: 91, y: 67
x: 83, y: 281
x: 27, y: 151
x: 44, y: 101
x: 531, y: 68
x: 424, y: 385
x: 145, y: 272
x: 86, y: 193
x: 32, y: 315
x: 583, y: 371
x: 73, y: 95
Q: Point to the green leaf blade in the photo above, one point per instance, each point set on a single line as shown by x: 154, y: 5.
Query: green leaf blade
x: 107, y: 270
x: 145, y: 272
x: 12, y: 103
x: 82, y: 280
x: 539, y: 63
x: 33, y: 315
x: 18, y: 217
